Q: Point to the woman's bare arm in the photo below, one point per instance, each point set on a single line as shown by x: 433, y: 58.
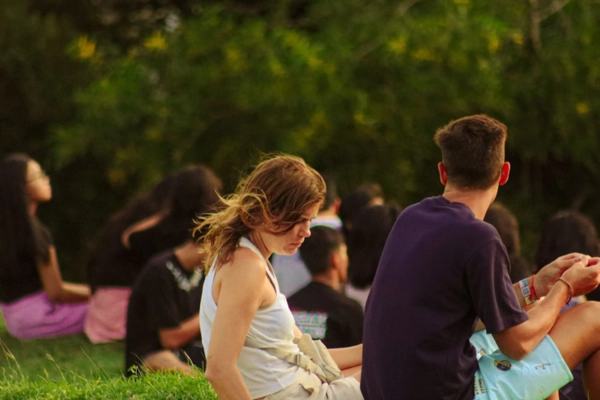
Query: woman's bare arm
x: 58, y: 290
x: 239, y: 292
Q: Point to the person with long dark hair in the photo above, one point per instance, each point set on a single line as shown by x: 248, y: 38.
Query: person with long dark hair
x: 370, y: 229
x: 167, y: 221
x: 112, y: 268
x: 34, y: 299
x: 507, y: 226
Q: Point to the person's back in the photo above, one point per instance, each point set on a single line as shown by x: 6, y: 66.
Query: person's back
x: 414, y: 282
x: 319, y: 308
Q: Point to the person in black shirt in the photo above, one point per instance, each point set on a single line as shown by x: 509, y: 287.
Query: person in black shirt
x: 163, y: 326
x: 319, y: 308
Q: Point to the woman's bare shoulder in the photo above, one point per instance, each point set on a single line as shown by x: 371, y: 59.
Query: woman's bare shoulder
x: 245, y: 262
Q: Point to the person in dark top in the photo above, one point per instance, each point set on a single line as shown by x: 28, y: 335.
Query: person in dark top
x: 112, y: 269
x: 443, y: 268
x: 319, y: 308
x: 370, y: 229
x: 564, y: 232
x: 163, y: 326
x: 110, y: 263
x: 507, y: 226
x: 169, y: 217
x: 195, y: 193
x: 34, y: 300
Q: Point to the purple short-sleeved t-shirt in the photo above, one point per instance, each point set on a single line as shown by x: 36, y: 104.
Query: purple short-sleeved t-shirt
x: 440, y: 270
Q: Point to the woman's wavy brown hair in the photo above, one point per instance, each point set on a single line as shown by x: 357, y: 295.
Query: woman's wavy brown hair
x: 273, y: 196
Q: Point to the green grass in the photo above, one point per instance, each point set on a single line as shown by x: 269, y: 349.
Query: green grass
x: 73, y: 368
x: 51, y: 359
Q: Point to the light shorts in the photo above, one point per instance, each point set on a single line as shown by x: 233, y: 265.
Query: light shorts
x: 483, y: 342
x: 309, y: 386
x: 537, y: 376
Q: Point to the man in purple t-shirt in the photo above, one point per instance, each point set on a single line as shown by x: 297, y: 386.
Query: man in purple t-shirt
x: 443, y: 268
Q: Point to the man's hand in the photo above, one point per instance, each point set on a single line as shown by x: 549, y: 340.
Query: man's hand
x: 584, y: 276
x: 547, y: 276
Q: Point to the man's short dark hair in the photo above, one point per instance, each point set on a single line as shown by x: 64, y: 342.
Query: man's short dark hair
x: 472, y: 151
x: 316, y: 251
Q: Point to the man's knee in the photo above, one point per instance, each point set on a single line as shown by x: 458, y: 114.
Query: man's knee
x: 590, y: 311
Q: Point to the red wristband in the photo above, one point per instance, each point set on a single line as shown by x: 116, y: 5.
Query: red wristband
x: 534, y: 295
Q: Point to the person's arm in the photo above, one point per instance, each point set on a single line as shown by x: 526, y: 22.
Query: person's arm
x: 140, y: 226
x: 347, y: 357
x: 56, y: 289
x: 547, y: 277
x: 241, y: 290
x: 175, y: 338
x: 559, y: 282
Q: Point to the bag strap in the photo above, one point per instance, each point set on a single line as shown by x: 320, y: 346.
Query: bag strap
x: 312, y: 357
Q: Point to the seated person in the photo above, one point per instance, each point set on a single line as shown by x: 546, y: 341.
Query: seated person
x: 112, y: 269
x: 320, y: 309
x: 190, y: 192
x: 163, y: 328
x: 34, y: 299
x: 443, y: 267
x: 254, y: 348
x: 569, y: 231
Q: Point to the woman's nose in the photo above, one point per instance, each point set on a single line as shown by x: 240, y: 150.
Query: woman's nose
x: 305, y: 229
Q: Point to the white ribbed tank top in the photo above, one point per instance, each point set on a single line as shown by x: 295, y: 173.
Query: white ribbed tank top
x: 271, y: 327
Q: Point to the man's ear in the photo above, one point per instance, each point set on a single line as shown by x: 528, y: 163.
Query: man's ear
x: 443, y: 173
x: 505, y: 173
x: 334, y: 261
x: 336, y: 206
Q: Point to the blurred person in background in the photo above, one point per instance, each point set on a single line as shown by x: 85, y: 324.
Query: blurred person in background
x: 320, y: 308
x: 366, y: 240
x: 366, y: 194
x: 34, y: 299
x: 163, y: 325
x: 174, y: 205
x: 569, y: 231
x: 112, y: 269
x: 507, y: 226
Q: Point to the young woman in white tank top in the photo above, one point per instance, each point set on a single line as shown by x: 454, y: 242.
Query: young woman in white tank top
x: 242, y: 313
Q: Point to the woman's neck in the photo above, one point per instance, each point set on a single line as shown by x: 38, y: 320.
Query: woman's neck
x: 258, y: 241
x: 32, y: 208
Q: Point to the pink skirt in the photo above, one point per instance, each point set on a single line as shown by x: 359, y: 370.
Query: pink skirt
x: 107, y: 318
x: 36, y: 316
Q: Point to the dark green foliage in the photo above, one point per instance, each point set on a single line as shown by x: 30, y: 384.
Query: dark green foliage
x: 357, y: 88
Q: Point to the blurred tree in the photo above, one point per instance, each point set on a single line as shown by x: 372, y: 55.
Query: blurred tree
x: 356, y: 87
